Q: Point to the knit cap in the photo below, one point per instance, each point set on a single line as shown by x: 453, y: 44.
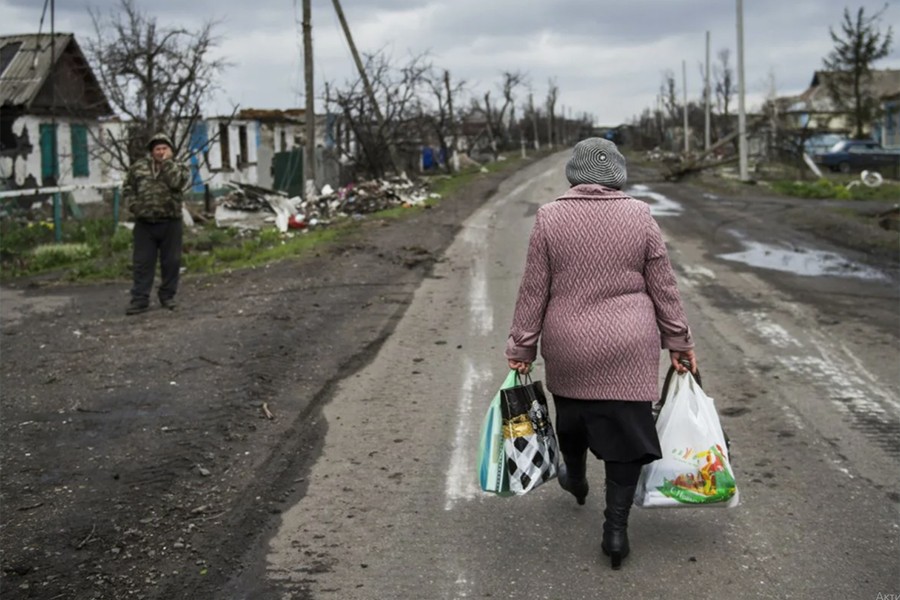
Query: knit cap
x: 596, y: 160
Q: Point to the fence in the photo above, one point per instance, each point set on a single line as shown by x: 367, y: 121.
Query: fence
x: 57, y: 192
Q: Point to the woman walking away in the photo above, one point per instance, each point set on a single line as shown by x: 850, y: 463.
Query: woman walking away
x: 599, y: 293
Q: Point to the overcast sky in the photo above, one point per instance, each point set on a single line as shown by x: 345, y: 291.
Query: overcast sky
x: 608, y: 58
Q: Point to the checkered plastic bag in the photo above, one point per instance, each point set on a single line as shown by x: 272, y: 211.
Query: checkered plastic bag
x: 532, y: 453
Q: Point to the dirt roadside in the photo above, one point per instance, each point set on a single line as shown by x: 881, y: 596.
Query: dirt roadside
x: 137, y: 459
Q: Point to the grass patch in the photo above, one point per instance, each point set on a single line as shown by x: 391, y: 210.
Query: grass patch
x: 98, y: 249
x: 823, y: 189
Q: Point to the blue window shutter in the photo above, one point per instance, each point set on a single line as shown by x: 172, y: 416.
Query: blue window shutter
x: 80, y: 158
x: 49, y: 154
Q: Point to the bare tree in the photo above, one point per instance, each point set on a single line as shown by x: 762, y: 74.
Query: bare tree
x: 725, y: 88
x: 155, y: 77
x: 533, y: 114
x: 669, y: 92
x: 552, y: 97
x: 497, y: 118
x: 398, y: 92
x: 859, y: 44
x: 444, y: 122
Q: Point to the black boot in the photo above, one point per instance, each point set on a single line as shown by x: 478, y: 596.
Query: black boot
x: 615, y: 528
x: 573, y: 476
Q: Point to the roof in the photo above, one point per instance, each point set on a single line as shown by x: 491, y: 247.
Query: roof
x: 883, y: 83
x: 26, y: 63
x: 262, y: 114
x: 27, y: 70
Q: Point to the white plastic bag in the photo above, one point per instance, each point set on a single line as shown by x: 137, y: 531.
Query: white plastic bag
x: 695, y: 468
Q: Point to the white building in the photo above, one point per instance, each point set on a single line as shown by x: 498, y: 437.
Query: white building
x: 51, y: 109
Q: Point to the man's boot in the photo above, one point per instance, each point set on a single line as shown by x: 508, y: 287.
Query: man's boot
x: 573, y: 476
x: 615, y: 528
x: 137, y: 306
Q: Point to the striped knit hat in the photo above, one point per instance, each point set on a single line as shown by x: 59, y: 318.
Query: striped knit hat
x: 596, y: 160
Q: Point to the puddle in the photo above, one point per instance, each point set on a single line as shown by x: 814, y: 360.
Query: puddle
x: 801, y: 261
x: 661, y: 207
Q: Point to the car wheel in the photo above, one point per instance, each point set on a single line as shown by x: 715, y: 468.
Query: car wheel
x: 844, y: 167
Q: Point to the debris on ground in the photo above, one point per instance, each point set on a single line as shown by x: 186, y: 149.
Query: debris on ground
x: 254, y: 207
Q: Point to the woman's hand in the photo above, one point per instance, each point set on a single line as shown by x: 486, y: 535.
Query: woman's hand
x: 683, y: 355
x: 522, y: 367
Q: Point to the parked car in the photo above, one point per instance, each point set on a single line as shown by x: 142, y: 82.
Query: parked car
x: 820, y: 143
x: 855, y: 155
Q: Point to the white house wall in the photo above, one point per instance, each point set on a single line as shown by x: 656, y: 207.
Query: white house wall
x: 216, y: 177
x: 20, y: 167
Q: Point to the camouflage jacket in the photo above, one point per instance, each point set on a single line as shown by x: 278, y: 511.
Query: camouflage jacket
x: 155, y: 194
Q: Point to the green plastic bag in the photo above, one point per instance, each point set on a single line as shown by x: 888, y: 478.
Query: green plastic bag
x: 492, y: 473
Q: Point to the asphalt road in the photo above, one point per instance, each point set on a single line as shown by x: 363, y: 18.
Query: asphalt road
x: 803, y: 367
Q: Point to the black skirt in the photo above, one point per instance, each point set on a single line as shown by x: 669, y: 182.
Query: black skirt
x: 613, y: 430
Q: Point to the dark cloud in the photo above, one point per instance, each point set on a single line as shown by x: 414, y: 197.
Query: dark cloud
x: 607, y: 56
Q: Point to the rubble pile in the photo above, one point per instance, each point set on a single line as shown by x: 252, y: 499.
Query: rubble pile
x: 252, y: 207
x: 248, y: 197
x: 364, y: 197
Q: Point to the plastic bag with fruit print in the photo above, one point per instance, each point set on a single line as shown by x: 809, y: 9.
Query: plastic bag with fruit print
x: 695, y: 468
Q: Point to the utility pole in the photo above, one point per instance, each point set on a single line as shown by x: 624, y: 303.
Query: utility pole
x: 706, y: 140
x: 561, y: 134
x: 309, y: 162
x: 392, y: 150
x: 453, y: 125
x: 687, y: 135
x: 534, y: 125
x: 742, y: 115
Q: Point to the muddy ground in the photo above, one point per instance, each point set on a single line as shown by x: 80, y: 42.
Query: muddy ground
x: 139, y: 459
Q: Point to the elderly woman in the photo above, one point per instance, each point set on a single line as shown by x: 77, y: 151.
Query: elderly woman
x: 599, y: 293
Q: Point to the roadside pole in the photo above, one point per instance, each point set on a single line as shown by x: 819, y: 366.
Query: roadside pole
x: 309, y: 161
x: 687, y: 134
x: 742, y: 115
x: 392, y: 149
x: 706, y: 138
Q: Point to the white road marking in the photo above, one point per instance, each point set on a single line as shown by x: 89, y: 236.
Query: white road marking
x: 772, y: 332
x: 481, y: 309
x: 846, y: 390
x: 698, y: 271
x: 460, y: 483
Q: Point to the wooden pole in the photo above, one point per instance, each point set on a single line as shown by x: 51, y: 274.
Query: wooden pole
x: 742, y: 113
x: 309, y: 161
x: 706, y: 134
x: 392, y: 150
x: 687, y: 133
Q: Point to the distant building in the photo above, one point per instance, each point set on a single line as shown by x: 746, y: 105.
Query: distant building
x: 814, y: 109
x: 51, y: 110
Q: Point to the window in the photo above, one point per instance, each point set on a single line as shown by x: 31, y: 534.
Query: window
x: 242, y: 144
x: 49, y: 155
x: 283, y: 138
x: 223, y: 146
x: 80, y: 158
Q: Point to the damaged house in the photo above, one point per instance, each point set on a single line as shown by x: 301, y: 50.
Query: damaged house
x: 264, y: 147
x: 814, y: 109
x: 51, y: 107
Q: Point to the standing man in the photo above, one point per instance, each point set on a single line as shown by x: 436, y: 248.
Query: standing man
x: 153, y: 191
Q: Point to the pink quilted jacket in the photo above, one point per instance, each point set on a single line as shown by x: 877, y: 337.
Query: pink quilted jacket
x: 599, y: 292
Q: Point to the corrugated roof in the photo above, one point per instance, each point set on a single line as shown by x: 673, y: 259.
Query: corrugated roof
x: 883, y: 83
x: 23, y: 77
x: 287, y: 115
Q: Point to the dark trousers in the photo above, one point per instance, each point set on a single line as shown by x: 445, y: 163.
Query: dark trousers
x: 621, y: 433
x: 152, y: 241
